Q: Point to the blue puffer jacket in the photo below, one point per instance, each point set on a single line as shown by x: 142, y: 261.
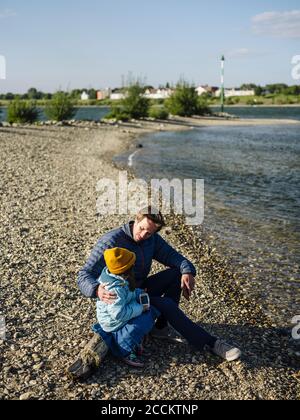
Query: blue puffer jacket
x: 153, y: 248
x: 123, y: 309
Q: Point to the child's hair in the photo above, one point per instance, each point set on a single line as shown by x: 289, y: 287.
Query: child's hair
x: 130, y: 277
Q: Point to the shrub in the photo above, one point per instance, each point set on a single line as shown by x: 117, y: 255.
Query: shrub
x: 185, y: 102
x: 117, y: 112
x: 60, y: 107
x: 22, y: 112
x: 158, y: 112
x: 134, y: 106
x: 202, y: 107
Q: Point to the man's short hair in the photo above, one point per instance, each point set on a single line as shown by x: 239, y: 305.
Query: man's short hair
x: 152, y: 214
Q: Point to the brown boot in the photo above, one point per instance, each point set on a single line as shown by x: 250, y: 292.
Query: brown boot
x: 89, y: 359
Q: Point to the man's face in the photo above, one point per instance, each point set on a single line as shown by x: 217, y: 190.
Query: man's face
x: 143, y: 230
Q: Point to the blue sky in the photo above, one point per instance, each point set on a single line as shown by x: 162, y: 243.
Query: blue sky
x: 92, y: 43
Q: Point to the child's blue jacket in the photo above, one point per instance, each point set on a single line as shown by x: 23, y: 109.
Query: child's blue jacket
x: 124, y: 308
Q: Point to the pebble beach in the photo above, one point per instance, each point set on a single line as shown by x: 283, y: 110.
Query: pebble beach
x: 48, y: 226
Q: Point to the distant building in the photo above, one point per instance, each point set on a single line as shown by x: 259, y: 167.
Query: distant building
x: 85, y: 96
x: 201, y: 90
x: 158, y: 93
x: 229, y: 93
x: 103, y: 94
x: 117, y: 95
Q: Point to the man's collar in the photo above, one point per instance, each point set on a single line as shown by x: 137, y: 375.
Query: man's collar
x: 127, y: 229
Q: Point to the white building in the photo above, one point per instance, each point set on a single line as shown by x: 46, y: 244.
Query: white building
x: 117, y: 96
x: 229, y: 93
x: 202, y: 89
x: 158, y: 93
x: 85, y: 96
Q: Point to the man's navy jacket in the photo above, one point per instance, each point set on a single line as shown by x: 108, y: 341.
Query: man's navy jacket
x: 153, y: 248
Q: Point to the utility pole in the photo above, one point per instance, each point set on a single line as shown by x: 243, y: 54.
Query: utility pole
x: 222, y: 83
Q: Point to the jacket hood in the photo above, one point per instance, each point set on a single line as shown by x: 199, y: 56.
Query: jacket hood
x: 113, y: 280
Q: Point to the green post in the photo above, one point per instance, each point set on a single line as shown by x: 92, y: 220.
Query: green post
x: 222, y: 83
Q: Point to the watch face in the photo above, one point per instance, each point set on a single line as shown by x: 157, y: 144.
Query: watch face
x: 144, y: 300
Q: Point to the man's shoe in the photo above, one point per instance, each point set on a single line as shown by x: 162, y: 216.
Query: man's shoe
x: 168, y: 334
x: 89, y: 359
x: 226, y: 351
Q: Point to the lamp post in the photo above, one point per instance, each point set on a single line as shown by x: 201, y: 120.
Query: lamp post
x: 222, y: 83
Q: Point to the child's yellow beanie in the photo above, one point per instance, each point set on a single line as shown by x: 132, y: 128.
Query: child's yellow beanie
x: 119, y: 260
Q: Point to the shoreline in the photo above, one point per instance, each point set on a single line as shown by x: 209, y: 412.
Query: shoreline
x: 49, y: 174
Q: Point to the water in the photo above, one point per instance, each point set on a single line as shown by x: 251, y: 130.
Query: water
x: 82, y: 113
x: 274, y: 112
x: 96, y: 113
x: 252, y: 200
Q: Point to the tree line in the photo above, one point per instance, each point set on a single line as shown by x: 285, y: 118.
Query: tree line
x: 183, y: 102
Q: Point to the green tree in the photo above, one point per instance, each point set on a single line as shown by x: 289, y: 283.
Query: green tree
x: 33, y: 94
x: 185, y: 101
x: 60, y: 107
x: 22, y: 112
x: 92, y: 94
x: 259, y: 91
x: 9, y: 96
x: 248, y: 86
x: 277, y: 88
x: 158, y: 112
x: 134, y: 105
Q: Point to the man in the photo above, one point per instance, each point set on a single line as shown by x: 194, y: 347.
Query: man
x: 165, y: 288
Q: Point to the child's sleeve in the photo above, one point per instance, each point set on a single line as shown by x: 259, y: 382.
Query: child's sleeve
x: 122, y: 311
x: 138, y: 293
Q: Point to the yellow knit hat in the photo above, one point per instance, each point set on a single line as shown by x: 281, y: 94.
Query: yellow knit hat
x: 119, y: 260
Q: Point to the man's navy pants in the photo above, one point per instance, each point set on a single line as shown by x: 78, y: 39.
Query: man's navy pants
x: 165, y: 290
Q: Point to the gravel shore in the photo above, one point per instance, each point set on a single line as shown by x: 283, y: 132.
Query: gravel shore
x: 48, y: 226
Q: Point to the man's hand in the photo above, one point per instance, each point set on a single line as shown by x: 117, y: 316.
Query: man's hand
x: 105, y: 296
x: 187, y: 285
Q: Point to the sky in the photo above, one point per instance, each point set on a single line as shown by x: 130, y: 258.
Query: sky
x: 92, y: 43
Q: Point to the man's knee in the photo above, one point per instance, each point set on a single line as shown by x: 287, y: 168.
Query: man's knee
x: 176, y: 278
x: 175, y: 274
x: 168, y: 301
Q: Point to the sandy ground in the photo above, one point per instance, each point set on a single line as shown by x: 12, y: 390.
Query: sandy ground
x: 48, y: 226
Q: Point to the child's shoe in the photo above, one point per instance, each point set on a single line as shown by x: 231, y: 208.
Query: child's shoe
x: 133, y: 360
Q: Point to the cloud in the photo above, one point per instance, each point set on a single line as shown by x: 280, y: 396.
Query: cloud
x: 278, y: 24
x: 7, y: 13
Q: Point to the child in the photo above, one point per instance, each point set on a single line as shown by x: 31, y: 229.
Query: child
x: 124, y: 323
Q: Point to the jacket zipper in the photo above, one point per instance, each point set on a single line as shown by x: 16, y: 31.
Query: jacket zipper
x: 143, y: 259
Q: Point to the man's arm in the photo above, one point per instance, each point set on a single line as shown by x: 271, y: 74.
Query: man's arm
x: 88, y: 276
x: 168, y: 256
